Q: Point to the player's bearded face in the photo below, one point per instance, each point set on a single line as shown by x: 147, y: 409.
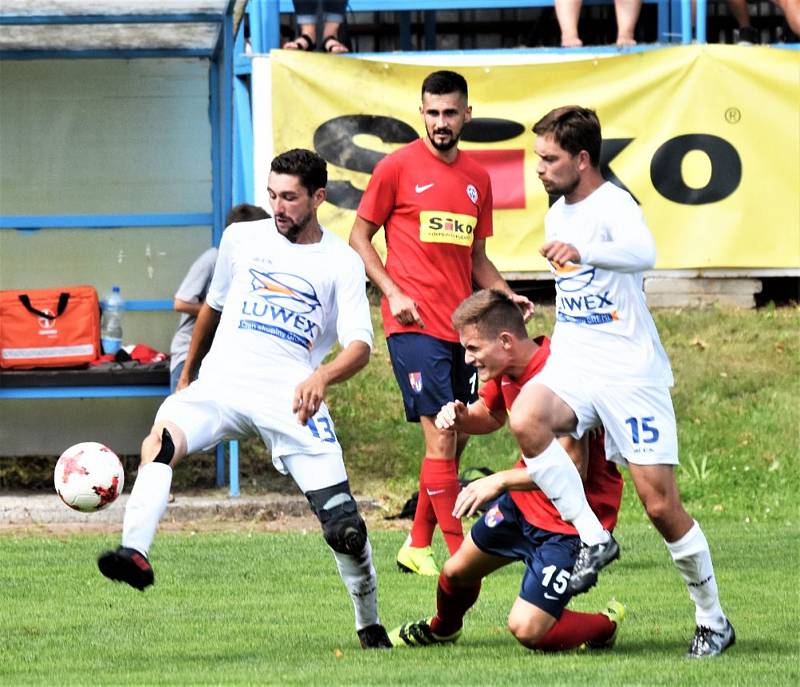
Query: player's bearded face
x: 291, y: 227
x: 443, y: 138
x: 557, y: 169
x: 445, y: 116
x: 292, y: 205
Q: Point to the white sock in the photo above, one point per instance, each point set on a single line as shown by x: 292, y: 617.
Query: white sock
x: 693, y: 559
x: 358, y: 575
x: 559, y: 479
x: 146, y: 505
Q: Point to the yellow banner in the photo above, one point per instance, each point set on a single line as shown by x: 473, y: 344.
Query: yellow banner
x: 706, y: 138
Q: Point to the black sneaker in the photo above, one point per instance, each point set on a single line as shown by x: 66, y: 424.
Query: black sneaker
x: 707, y: 642
x: 126, y: 565
x: 374, y: 637
x: 591, y: 560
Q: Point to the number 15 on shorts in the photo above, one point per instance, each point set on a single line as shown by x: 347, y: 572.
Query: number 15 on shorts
x: 643, y: 431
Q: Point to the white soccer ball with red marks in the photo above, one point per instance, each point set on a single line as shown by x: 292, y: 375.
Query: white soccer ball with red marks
x: 89, y: 476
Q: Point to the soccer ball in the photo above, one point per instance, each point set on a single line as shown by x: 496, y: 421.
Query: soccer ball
x: 89, y: 476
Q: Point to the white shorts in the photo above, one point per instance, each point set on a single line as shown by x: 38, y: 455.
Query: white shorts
x: 639, y: 420
x: 208, y: 415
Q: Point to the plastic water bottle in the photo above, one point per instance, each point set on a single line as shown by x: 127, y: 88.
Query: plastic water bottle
x: 111, y: 324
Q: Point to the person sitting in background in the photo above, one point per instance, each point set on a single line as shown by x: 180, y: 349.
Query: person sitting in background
x: 332, y: 17
x: 568, y: 12
x: 191, y: 294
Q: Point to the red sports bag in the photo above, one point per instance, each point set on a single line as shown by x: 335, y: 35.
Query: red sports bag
x: 49, y: 327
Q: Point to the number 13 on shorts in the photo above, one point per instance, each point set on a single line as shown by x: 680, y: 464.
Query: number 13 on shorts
x: 321, y: 428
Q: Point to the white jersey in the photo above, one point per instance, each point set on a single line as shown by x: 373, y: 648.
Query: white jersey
x: 604, y: 330
x: 283, y: 306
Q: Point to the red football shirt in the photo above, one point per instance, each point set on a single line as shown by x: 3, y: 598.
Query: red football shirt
x: 603, y: 484
x: 432, y: 212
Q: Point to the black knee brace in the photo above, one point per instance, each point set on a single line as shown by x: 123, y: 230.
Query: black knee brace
x: 342, y: 526
x: 167, y: 448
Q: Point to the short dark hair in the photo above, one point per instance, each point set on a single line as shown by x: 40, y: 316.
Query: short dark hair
x: 306, y: 164
x: 441, y: 82
x: 574, y: 128
x: 492, y: 312
x: 244, y: 212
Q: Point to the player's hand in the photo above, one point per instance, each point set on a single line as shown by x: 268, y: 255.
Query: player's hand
x: 524, y: 304
x: 560, y: 253
x: 451, y: 415
x: 308, y: 396
x: 476, y: 493
x: 183, y: 382
x: 404, y: 310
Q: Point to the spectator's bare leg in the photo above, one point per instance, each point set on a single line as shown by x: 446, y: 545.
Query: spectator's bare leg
x: 739, y: 11
x: 627, y: 15
x: 791, y: 10
x: 567, y: 13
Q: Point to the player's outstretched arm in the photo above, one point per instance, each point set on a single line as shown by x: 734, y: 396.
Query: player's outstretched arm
x: 402, y: 307
x: 628, y: 248
x: 486, y: 489
x: 309, y: 394
x: 202, y: 337
x: 475, y: 418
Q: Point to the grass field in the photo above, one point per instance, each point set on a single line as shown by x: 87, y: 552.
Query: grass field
x: 248, y: 607
x: 253, y: 608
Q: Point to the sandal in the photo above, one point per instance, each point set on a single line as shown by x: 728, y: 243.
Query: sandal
x: 302, y: 42
x: 333, y: 45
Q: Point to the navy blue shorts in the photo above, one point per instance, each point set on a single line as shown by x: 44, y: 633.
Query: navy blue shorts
x: 548, y: 557
x: 430, y: 373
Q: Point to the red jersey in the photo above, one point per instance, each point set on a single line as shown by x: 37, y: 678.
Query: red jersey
x: 603, y: 484
x: 432, y: 212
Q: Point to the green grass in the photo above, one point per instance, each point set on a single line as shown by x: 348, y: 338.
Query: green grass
x: 259, y: 608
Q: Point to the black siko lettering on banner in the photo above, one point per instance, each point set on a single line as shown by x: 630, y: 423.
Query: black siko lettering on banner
x: 333, y: 140
x: 726, y: 169
x: 611, y: 147
x: 491, y: 130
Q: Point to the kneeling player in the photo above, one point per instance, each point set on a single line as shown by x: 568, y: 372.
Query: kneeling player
x: 522, y: 524
x: 283, y: 290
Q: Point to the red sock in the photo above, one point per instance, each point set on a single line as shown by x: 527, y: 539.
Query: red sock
x: 452, y: 603
x: 439, y: 478
x: 424, y: 519
x: 573, y: 629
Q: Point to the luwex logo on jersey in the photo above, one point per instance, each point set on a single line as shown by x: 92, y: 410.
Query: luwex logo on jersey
x: 581, y: 308
x: 282, y: 305
x: 446, y: 227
